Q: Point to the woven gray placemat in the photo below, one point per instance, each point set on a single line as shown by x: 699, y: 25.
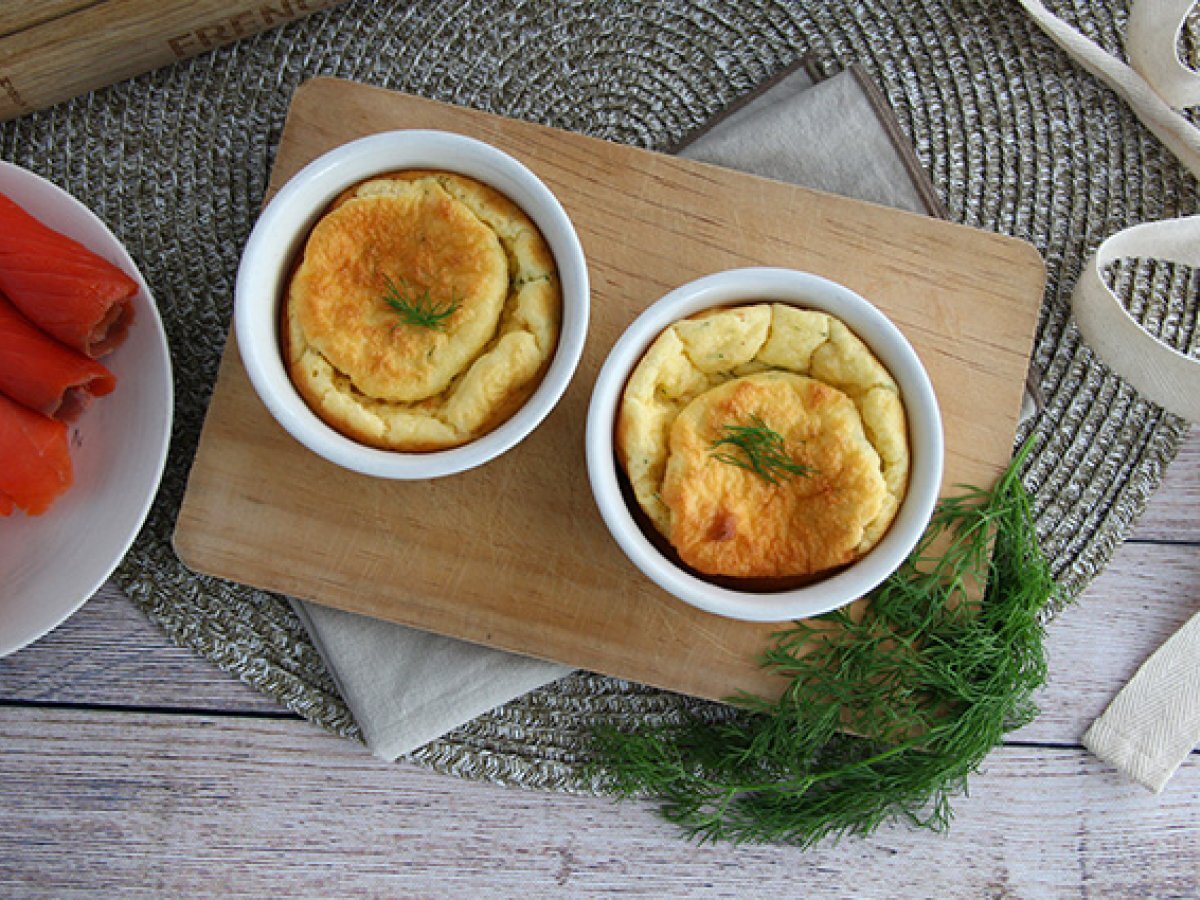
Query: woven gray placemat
x: 1016, y: 139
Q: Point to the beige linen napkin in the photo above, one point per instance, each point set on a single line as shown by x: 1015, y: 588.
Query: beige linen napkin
x: 407, y: 687
x: 1152, y: 725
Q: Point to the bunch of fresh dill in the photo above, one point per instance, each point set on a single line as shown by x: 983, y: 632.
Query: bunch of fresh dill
x: 885, y: 715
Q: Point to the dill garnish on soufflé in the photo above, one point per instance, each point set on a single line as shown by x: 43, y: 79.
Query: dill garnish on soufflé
x: 417, y: 308
x: 758, y: 448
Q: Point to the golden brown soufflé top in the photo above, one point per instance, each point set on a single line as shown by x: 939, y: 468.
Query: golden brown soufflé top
x: 764, y: 441
x: 423, y: 312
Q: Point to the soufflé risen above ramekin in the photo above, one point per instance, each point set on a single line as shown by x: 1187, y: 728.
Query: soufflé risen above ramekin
x: 423, y: 312
x: 764, y: 441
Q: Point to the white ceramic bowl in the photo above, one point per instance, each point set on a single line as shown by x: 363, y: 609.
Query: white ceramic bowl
x: 280, y: 233
x: 51, y: 564
x: 740, y: 286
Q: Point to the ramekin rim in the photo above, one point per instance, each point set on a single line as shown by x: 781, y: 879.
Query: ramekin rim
x: 291, y: 212
x: 743, y: 286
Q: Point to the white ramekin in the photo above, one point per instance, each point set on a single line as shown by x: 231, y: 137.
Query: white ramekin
x: 280, y: 233
x: 753, y: 285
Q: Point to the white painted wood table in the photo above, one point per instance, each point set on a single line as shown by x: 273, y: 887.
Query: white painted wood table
x: 128, y: 765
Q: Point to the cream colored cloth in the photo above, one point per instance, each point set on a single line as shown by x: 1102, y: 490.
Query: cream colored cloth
x: 1154, y: 722
x: 407, y: 687
x: 1154, y: 84
x: 1158, y: 24
x: 1160, y: 373
x: 1152, y: 725
x: 837, y: 135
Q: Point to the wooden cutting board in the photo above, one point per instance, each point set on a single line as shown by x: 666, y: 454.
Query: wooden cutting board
x: 514, y: 555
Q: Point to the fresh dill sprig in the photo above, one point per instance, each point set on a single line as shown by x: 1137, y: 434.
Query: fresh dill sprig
x: 762, y: 451
x: 418, y: 309
x: 884, y: 716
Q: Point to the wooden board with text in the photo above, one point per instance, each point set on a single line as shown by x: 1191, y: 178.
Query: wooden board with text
x: 52, y: 50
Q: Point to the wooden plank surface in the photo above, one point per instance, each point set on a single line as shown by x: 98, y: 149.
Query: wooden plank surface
x: 1174, y: 513
x: 97, y: 798
x: 110, y: 654
x: 181, y: 804
x: 514, y: 554
x: 28, y: 14
x: 52, y: 50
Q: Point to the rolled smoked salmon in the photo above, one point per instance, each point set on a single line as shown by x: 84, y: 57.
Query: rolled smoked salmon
x: 61, y: 286
x: 35, y: 462
x: 39, y: 372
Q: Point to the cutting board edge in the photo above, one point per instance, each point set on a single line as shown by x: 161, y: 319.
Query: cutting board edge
x: 322, y: 82
x: 193, y: 554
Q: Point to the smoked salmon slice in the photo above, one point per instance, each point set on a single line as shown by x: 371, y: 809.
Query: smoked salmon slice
x: 61, y: 286
x: 35, y: 461
x: 39, y: 372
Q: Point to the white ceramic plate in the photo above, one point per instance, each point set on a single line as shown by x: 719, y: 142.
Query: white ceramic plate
x: 51, y: 564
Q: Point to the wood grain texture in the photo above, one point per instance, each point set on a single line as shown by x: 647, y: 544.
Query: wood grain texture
x: 19, y: 16
x: 108, y: 654
x: 514, y: 554
x: 1096, y: 645
x: 1174, y: 512
x: 102, y: 801
x: 228, y: 807
x: 51, y: 50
